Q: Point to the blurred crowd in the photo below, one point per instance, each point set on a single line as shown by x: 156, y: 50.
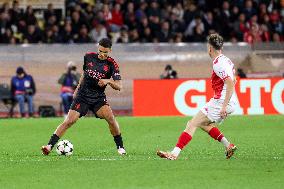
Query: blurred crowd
x: 144, y: 21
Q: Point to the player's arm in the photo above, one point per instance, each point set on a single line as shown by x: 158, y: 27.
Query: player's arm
x: 78, y: 86
x: 223, y: 72
x: 229, y: 92
x: 115, y: 84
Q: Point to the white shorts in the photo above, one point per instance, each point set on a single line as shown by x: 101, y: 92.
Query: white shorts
x: 213, y: 107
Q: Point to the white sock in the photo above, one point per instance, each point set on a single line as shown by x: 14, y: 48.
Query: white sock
x: 176, y: 151
x: 225, y: 142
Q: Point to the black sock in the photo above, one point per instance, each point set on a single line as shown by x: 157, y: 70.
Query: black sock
x: 53, y: 140
x: 118, y: 141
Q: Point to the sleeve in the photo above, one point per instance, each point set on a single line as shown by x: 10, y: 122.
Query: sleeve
x: 115, y: 73
x: 221, y: 71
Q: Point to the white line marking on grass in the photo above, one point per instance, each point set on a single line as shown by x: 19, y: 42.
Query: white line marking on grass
x: 26, y: 160
x: 273, y: 158
x: 96, y: 159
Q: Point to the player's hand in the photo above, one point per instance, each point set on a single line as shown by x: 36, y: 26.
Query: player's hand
x: 103, y: 82
x: 223, y: 113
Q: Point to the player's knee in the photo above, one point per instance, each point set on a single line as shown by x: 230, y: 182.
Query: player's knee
x: 69, y: 122
x: 206, y: 128
x: 191, y: 124
x: 108, y: 117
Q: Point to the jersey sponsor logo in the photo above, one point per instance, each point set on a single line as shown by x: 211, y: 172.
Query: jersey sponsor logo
x: 95, y: 74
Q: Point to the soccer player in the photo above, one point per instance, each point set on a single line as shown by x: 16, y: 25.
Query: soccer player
x: 98, y: 68
x: 217, y: 109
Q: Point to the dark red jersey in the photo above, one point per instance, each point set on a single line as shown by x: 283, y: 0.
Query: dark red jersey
x: 94, y: 70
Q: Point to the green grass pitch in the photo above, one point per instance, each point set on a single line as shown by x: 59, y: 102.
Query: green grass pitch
x: 258, y: 163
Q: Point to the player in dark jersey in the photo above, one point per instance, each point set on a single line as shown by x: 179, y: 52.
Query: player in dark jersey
x: 89, y: 95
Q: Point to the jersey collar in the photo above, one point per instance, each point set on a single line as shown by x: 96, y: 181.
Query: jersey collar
x: 217, y: 58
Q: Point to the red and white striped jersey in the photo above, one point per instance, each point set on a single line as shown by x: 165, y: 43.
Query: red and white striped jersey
x: 223, y: 68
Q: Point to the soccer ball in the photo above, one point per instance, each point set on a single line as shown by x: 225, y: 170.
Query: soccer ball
x: 65, y: 148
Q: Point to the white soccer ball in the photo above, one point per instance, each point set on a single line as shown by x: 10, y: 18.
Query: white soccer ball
x: 65, y: 148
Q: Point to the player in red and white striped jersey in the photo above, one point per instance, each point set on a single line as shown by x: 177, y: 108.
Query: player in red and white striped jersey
x: 216, y: 110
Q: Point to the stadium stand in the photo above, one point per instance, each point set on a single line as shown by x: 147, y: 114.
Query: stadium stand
x: 85, y: 21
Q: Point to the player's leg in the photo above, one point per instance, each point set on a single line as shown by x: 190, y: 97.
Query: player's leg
x: 21, y: 100
x: 215, y: 133
x: 212, y: 111
x: 198, y: 120
x: 78, y: 109
x: 106, y: 113
x: 30, y: 105
x: 71, y: 118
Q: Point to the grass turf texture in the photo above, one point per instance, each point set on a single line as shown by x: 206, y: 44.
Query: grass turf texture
x: 258, y: 163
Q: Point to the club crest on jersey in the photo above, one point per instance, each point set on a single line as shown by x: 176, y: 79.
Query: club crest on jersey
x: 77, y: 106
x: 222, y: 73
x: 90, y: 64
x: 106, y: 68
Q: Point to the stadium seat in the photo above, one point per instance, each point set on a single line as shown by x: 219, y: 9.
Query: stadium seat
x: 7, y: 99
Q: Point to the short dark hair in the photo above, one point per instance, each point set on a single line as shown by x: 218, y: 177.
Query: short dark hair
x: 216, y: 41
x: 105, y: 42
x: 20, y: 70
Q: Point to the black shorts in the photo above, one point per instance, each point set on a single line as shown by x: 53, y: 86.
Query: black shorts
x: 82, y: 105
